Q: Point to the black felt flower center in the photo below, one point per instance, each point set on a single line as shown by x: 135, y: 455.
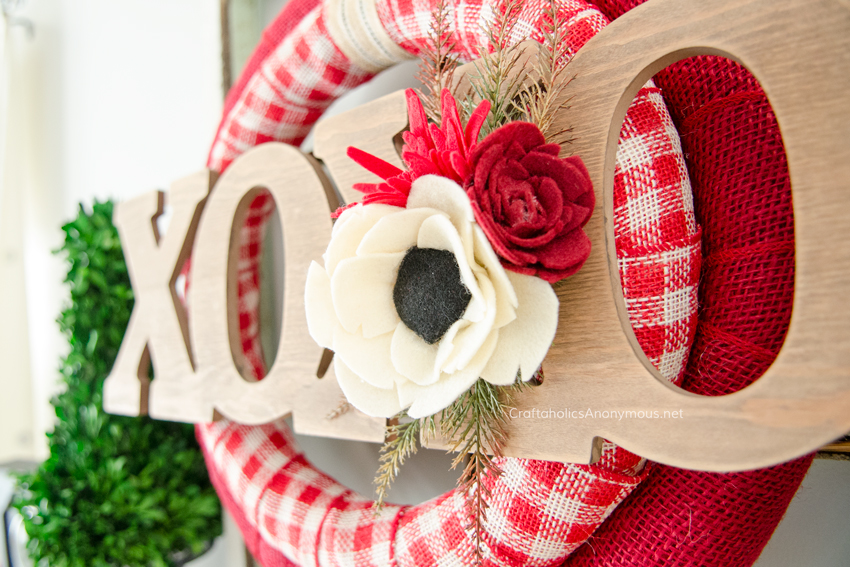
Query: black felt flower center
x: 429, y: 294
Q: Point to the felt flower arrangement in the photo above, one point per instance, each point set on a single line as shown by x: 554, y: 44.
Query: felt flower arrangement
x: 413, y: 299
x: 417, y: 307
x: 435, y: 291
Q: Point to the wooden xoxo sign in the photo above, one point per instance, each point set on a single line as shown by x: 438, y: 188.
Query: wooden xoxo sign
x: 801, y: 402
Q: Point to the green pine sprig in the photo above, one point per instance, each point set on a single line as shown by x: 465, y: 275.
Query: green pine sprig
x: 536, y: 101
x: 476, y: 425
x: 437, y: 62
x: 402, y: 441
x: 497, y: 78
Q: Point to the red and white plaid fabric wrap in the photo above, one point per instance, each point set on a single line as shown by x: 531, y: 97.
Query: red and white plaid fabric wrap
x: 291, y: 513
x: 657, y: 238
x: 288, y: 93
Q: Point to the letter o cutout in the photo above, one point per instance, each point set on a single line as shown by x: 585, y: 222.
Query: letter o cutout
x: 803, y: 400
x: 305, y: 222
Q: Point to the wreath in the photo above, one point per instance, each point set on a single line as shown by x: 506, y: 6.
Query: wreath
x: 539, y: 512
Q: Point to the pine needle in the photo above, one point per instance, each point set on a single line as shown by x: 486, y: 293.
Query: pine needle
x: 437, y: 63
x: 477, y: 423
x: 402, y: 440
x: 495, y: 79
x: 536, y: 102
x: 341, y: 409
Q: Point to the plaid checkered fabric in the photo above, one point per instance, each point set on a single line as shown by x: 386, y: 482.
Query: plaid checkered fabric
x: 408, y: 21
x: 288, y: 92
x: 292, y: 514
x: 248, y: 280
x: 657, y: 238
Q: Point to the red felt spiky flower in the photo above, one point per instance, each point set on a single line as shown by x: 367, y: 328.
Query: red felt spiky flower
x: 429, y: 149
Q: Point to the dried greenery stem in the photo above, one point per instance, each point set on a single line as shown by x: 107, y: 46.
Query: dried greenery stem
x: 537, y: 101
x: 437, y: 62
x: 498, y: 77
x: 402, y: 440
x: 476, y: 426
x: 495, y: 79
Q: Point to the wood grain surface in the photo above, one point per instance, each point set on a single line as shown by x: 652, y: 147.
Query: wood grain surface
x: 799, y: 50
x: 803, y: 400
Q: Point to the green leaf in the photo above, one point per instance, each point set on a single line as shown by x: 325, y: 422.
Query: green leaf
x: 115, y: 491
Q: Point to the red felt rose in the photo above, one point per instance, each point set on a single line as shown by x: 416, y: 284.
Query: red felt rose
x: 531, y: 204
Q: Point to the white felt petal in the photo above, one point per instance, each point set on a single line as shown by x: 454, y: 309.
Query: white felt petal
x: 318, y: 305
x: 438, y: 232
x: 445, y: 195
x: 395, y: 233
x: 506, y: 300
x: 469, y: 340
x: 447, y: 343
x: 362, y: 290
x: 442, y: 194
x: 498, y: 371
x: 450, y: 386
x: 413, y: 358
x: 362, y: 395
x: 368, y: 358
x: 524, y: 343
x: 349, y: 230
x: 343, y: 219
x: 408, y: 392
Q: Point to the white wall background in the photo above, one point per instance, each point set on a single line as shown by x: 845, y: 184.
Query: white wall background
x: 16, y: 167
x: 129, y: 95
x: 126, y: 97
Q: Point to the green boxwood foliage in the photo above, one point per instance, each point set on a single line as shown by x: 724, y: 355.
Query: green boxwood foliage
x: 115, y: 491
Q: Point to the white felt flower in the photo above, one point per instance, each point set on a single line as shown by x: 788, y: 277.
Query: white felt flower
x: 383, y: 261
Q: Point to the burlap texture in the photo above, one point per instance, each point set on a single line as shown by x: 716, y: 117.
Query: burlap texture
x: 742, y: 197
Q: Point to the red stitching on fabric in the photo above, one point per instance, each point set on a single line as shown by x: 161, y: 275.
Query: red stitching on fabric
x: 752, y: 251
x: 668, y: 246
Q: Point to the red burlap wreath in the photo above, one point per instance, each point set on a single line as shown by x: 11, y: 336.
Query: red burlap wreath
x: 291, y: 513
